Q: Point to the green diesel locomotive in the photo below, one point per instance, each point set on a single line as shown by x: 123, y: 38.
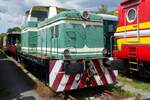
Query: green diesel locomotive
x: 72, y: 47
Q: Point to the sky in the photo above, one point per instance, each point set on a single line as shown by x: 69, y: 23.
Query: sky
x: 12, y: 11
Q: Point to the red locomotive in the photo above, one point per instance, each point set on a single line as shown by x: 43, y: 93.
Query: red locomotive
x: 10, y: 43
x: 133, y: 37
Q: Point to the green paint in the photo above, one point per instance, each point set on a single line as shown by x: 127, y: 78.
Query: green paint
x: 71, y: 35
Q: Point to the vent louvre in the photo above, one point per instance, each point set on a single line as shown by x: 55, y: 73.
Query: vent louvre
x: 129, y: 3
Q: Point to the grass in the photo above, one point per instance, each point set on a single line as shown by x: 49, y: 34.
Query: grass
x: 122, y: 93
x: 118, y: 92
x: 135, y: 83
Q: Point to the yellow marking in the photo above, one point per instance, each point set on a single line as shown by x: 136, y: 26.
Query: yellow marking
x: 144, y: 25
x: 142, y: 40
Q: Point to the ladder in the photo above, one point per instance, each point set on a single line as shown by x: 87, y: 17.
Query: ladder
x: 133, y: 61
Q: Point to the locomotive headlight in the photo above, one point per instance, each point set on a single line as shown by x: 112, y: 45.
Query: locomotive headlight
x: 67, y: 53
x: 105, y: 52
x: 85, y: 15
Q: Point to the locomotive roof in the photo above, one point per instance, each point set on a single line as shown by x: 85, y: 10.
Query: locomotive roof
x: 108, y: 17
x: 70, y: 15
x: 43, y: 8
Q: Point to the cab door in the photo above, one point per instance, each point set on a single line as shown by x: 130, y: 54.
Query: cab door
x: 54, y: 44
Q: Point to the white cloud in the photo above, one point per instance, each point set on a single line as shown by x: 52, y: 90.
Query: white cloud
x: 11, y: 11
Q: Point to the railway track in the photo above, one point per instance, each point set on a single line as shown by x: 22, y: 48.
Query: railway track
x: 106, y: 95
x: 97, y: 93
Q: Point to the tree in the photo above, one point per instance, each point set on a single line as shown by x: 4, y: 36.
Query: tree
x: 103, y: 9
x: 114, y: 12
x: 2, y: 35
x: 15, y: 29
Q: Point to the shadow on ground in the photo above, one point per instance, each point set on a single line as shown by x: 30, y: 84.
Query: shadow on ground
x: 14, y: 84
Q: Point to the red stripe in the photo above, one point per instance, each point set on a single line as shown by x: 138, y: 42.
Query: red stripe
x: 112, y: 74
x: 82, y: 80
x: 93, y: 81
x: 51, y: 65
x: 100, y: 72
x: 70, y: 82
x: 57, y: 80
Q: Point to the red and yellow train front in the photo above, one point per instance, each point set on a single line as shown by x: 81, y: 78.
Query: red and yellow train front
x: 133, y: 32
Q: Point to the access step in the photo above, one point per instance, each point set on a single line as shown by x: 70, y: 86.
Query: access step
x: 133, y: 63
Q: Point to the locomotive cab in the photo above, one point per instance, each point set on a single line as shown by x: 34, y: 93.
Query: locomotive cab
x: 110, y: 24
x: 30, y: 23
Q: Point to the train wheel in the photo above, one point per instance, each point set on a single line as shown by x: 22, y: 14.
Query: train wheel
x: 124, y: 69
x: 144, y: 69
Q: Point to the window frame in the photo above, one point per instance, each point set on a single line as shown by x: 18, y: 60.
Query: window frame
x: 135, y: 16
